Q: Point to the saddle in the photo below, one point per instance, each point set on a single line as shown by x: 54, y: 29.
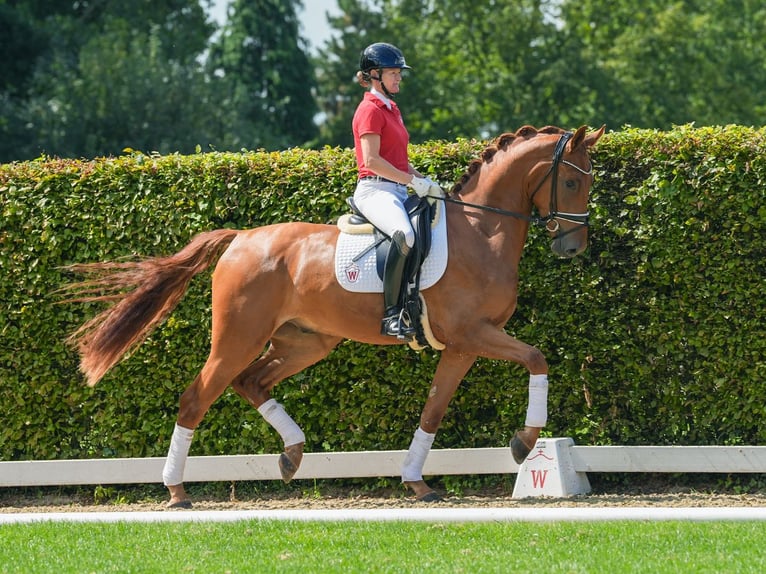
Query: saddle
x: 421, y: 212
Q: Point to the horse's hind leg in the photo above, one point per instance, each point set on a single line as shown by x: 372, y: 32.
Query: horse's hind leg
x: 215, y: 376
x: 241, y: 330
x: 292, y: 349
x: 229, y: 355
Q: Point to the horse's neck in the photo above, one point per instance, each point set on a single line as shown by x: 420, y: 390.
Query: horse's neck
x: 499, y: 183
x: 502, y: 236
x: 496, y: 186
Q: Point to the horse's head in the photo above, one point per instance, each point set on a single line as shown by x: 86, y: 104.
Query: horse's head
x: 549, y: 169
x: 561, y: 190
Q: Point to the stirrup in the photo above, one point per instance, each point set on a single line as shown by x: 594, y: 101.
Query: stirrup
x: 398, y: 326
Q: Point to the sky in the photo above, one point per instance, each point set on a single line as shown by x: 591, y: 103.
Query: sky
x: 314, y: 25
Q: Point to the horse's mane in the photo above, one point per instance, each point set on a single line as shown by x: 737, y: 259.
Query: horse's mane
x: 501, y: 142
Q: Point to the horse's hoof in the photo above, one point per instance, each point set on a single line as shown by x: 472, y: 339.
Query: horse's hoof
x: 430, y: 497
x: 290, y: 461
x: 519, y: 449
x: 286, y: 468
x: 179, y: 504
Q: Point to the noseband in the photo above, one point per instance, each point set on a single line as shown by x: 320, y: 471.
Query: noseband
x: 550, y: 221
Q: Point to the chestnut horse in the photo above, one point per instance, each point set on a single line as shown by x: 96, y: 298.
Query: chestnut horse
x: 275, y: 286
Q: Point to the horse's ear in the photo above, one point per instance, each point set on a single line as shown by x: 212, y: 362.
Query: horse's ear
x: 579, y: 138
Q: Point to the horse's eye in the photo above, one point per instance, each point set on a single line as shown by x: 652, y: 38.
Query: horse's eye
x: 571, y: 184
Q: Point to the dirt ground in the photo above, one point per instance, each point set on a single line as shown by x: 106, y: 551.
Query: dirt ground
x: 239, y: 496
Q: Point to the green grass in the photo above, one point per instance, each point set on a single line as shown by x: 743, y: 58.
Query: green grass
x: 308, y: 547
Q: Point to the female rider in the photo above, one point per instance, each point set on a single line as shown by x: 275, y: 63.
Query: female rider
x: 380, y: 144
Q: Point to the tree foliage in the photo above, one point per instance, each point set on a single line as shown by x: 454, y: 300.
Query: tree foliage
x: 266, y: 76
x: 484, y: 66
x: 98, y: 77
x: 673, y: 62
x: 91, y: 77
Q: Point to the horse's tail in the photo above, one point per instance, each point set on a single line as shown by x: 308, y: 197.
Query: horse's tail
x: 155, y: 286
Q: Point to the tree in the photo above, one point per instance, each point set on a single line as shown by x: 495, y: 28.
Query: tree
x: 477, y: 65
x: 25, y: 39
x: 92, y: 77
x: 338, y: 92
x: 659, y: 63
x: 482, y: 67
x: 266, y: 75
x: 128, y: 93
x: 111, y: 75
x: 23, y: 43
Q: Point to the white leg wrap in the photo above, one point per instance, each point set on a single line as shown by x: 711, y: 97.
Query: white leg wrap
x: 173, y: 472
x: 412, y: 469
x: 276, y: 416
x: 537, y: 410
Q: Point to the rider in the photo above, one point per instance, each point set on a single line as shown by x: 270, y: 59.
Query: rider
x: 380, y: 144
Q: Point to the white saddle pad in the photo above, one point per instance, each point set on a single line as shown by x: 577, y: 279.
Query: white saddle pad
x: 361, y: 276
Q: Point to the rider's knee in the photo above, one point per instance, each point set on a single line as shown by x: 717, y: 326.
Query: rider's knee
x: 409, y: 237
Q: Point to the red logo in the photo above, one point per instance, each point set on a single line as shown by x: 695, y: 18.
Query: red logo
x: 539, y: 454
x: 352, y: 273
x: 538, y: 478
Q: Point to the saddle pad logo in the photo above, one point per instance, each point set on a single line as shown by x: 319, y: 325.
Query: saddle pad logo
x: 352, y: 273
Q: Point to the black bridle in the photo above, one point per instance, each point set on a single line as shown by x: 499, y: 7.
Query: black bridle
x: 553, y: 214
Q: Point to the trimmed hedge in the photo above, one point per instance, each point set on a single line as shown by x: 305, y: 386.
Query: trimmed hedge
x: 654, y: 335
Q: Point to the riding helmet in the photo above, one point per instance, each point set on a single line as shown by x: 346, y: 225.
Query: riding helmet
x: 382, y: 55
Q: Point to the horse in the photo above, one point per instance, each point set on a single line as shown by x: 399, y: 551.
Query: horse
x: 277, y: 307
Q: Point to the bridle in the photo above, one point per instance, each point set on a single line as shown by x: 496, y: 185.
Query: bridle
x: 550, y: 221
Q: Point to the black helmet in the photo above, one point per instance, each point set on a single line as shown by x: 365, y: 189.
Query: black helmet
x: 382, y: 55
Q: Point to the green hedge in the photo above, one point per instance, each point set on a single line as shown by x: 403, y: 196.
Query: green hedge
x: 654, y: 335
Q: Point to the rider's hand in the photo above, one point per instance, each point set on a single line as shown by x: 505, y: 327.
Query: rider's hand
x: 421, y: 185
x: 435, y: 190
x: 425, y: 186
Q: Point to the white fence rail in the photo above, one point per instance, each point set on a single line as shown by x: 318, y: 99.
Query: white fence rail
x: 671, y: 459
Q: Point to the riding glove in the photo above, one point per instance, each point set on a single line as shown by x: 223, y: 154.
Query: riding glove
x: 425, y: 186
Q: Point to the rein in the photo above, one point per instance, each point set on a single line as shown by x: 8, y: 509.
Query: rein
x: 553, y: 214
x: 517, y: 215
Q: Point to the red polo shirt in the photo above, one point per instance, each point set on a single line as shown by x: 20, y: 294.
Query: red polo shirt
x: 372, y: 116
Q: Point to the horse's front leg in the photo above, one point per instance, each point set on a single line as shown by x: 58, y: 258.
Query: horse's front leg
x: 495, y: 343
x: 524, y: 440
x: 449, y: 373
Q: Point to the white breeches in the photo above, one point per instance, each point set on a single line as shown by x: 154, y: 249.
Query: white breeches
x: 382, y: 203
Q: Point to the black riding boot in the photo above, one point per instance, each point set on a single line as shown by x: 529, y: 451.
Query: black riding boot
x: 393, y: 323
